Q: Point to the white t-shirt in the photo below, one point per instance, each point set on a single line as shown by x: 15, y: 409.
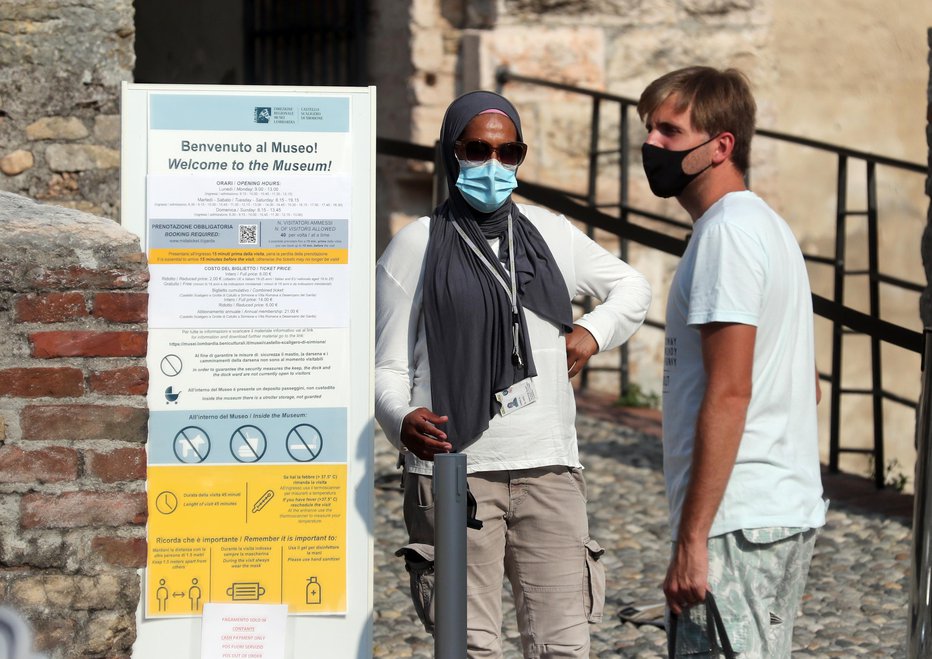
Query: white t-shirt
x: 743, y: 265
x: 540, y: 434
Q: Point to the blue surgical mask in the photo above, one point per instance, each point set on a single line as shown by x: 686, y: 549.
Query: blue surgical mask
x: 486, y: 186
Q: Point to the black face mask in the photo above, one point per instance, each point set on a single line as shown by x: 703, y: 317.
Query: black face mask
x: 664, y: 169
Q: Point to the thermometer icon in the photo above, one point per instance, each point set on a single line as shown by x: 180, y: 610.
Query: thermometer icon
x: 263, y: 500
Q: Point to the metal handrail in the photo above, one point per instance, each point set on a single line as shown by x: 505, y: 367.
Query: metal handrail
x: 844, y: 320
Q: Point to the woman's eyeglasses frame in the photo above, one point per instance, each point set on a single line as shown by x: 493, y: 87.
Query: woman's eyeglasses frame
x: 510, y: 154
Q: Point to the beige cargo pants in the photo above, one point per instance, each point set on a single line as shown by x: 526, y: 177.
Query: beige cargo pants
x: 536, y: 532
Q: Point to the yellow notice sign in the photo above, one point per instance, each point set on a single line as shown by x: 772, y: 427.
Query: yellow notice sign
x: 271, y: 534
x: 174, y: 256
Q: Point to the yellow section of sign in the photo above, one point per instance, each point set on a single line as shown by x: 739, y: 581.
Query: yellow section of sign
x: 270, y: 534
x: 170, y: 255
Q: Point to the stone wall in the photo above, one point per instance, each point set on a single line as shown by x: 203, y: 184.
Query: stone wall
x: 72, y: 426
x: 61, y: 66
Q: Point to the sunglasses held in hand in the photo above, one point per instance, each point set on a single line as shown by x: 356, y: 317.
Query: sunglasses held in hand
x: 479, y: 151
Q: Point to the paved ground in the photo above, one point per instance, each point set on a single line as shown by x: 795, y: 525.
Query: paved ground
x: 856, y: 603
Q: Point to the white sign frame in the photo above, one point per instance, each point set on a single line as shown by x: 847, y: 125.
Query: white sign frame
x: 338, y: 635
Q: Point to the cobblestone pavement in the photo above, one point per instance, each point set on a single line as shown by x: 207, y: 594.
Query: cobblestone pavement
x: 856, y: 603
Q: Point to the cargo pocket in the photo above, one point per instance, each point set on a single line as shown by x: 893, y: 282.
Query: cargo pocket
x: 419, y: 562
x: 738, y: 630
x: 594, y: 585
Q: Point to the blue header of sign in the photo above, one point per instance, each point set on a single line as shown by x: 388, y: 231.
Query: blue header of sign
x: 249, y: 113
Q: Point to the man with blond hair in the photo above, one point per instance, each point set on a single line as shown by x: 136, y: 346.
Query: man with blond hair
x: 740, y: 443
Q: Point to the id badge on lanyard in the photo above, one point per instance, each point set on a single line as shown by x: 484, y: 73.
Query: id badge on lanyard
x: 520, y: 394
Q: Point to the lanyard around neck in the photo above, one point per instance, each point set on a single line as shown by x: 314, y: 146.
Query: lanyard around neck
x: 510, y: 291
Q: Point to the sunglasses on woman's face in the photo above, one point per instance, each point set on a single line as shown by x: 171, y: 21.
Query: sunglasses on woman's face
x: 509, y: 153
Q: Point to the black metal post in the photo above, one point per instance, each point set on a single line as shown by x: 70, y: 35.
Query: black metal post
x: 920, y: 614
x: 623, y: 183
x: 873, y: 267
x: 837, y: 328
x: 591, y: 201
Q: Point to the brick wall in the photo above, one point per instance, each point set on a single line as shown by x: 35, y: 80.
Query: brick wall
x: 72, y: 426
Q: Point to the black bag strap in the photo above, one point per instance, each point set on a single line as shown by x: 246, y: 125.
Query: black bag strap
x: 712, y: 615
x: 671, y: 636
x: 715, y: 627
x: 472, y: 508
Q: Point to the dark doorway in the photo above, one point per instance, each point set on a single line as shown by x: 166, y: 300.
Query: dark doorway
x: 262, y: 42
x: 179, y: 41
x: 294, y: 42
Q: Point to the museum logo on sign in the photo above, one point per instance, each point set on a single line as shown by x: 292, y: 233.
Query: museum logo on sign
x: 263, y: 115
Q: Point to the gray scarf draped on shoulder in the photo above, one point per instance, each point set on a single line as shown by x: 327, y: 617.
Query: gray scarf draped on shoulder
x: 467, y: 313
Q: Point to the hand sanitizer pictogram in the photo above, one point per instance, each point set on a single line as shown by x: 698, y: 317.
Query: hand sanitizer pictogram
x: 313, y: 594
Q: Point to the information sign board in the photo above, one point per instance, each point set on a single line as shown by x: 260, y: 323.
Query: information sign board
x: 255, y: 206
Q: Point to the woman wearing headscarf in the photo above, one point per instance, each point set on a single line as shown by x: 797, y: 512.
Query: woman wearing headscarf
x: 475, y: 348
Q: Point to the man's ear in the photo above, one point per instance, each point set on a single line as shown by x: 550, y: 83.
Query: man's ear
x: 724, y: 145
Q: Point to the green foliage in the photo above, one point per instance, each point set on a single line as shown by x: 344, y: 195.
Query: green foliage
x: 634, y: 396
x: 893, y: 476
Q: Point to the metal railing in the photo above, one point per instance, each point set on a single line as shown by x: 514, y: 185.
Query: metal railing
x: 586, y: 208
x: 845, y: 320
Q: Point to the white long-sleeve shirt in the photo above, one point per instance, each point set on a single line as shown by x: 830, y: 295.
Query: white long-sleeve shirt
x: 537, y: 435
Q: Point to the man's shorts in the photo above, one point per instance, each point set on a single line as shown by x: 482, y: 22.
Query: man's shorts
x: 758, y: 577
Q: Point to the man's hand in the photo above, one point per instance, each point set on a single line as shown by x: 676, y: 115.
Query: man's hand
x: 687, y: 576
x: 421, y: 436
x: 580, y: 346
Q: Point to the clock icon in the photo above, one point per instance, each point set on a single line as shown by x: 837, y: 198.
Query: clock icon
x: 166, y: 502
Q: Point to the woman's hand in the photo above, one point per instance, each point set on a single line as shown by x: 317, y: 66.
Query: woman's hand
x: 580, y: 346
x: 421, y: 436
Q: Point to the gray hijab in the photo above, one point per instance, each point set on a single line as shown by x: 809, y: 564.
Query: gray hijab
x: 467, y: 314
